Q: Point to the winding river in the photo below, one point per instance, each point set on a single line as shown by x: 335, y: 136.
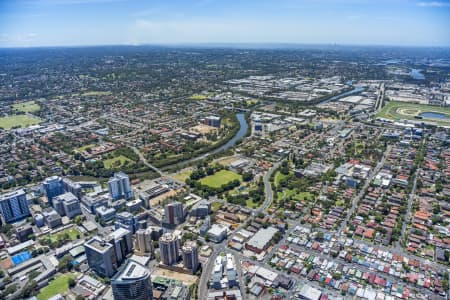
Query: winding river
x: 238, y: 136
x: 356, y: 90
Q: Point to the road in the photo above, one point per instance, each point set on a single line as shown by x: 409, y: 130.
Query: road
x: 364, y: 189
x: 218, y: 248
x: 268, y: 187
x: 144, y: 160
x: 407, y: 215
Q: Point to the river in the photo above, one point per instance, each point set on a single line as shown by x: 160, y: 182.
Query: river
x: 416, y: 74
x: 356, y: 90
x: 238, y: 136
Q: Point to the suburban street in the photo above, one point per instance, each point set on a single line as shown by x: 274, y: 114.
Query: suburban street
x: 364, y: 189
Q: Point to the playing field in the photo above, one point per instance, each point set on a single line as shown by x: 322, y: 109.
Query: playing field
x: 18, y: 121
x: 219, y: 178
x: 116, y: 162
x: 29, y: 106
x: 395, y: 110
x: 58, y: 286
x: 96, y: 93
x: 198, y: 97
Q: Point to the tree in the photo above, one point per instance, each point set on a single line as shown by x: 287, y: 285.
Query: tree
x: 247, y: 176
x: 78, y: 220
x: 65, y: 263
x: 71, y: 282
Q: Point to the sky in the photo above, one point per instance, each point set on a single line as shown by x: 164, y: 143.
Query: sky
x: 31, y: 23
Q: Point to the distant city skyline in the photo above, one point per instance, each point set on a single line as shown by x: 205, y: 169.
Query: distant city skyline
x: 29, y: 23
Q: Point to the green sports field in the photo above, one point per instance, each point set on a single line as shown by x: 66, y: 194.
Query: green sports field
x: 59, y: 285
x: 197, y: 97
x: 219, y: 178
x: 29, y: 106
x: 396, y: 111
x: 18, y: 121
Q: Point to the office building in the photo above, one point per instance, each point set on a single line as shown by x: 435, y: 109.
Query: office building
x: 174, y: 213
x: 144, y: 242
x: 67, y: 204
x: 14, y: 206
x: 217, y: 233
x: 119, y: 186
x: 92, y: 203
x: 189, y: 252
x: 133, y: 205
x: 151, y: 192
x: 212, y: 121
x: 53, y: 187
x: 201, y: 209
x: 101, y: 257
x: 75, y: 188
x: 39, y: 220
x: 52, y: 218
x: 126, y: 220
x: 23, y: 232
x: 104, y: 213
x: 122, y: 242
x: 169, y: 247
x: 132, y: 282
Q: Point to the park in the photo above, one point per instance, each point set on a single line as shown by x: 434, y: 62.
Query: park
x: 18, y: 121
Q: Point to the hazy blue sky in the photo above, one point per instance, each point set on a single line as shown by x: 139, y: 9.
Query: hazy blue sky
x: 99, y: 22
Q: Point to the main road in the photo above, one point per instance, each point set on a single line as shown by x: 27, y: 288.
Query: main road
x: 364, y: 189
x: 268, y: 187
x: 144, y: 160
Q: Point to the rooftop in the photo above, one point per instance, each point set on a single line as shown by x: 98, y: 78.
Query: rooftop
x: 98, y: 244
x: 131, y: 271
x: 262, y: 237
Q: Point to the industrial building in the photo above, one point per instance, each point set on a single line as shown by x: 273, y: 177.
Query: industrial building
x: 261, y: 240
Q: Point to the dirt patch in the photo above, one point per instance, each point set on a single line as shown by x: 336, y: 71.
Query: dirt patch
x: 185, y: 278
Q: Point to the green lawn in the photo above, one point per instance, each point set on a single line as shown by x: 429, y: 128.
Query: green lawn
x: 278, y: 177
x: 198, y: 97
x: 116, y: 162
x: 85, y: 147
x: 72, y: 232
x: 29, y: 106
x: 58, y: 286
x: 219, y: 178
x: 396, y: 110
x: 250, y: 204
x: 18, y: 120
x: 96, y: 93
x: 215, y: 206
x: 302, y: 196
x: 183, y: 174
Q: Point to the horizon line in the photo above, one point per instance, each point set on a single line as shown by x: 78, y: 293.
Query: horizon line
x: 252, y: 45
